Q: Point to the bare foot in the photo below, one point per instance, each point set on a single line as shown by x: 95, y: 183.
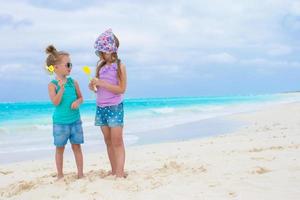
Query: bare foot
x: 79, y: 176
x: 110, y: 173
x: 59, y: 176
x: 123, y: 175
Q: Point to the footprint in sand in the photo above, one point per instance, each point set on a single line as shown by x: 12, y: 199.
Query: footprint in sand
x: 67, y: 179
x: 173, y: 165
x: 94, y: 174
x: 276, y: 148
x: 232, y: 194
x: 200, y: 169
x: 127, y: 186
x: 17, y: 188
x: 6, y: 172
x: 260, y: 170
x: 265, y: 149
x: 256, y: 150
x: 263, y: 159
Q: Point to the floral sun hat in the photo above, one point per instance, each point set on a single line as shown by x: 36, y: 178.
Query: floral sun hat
x: 106, y: 43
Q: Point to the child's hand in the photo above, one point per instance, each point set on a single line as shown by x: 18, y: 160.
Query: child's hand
x: 94, y: 81
x: 61, y: 84
x: 92, y: 87
x: 98, y: 82
x: 75, y: 105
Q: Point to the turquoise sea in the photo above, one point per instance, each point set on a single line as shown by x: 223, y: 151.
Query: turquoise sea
x: 26, y: 128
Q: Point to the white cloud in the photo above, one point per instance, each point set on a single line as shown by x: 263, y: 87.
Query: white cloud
x: 221, y: 58
x: 8, y: 21
x: 295, y: 8
x: 278, y: 50
x: 270, y: 64
x: 13, y: 74
x: 166, y: 34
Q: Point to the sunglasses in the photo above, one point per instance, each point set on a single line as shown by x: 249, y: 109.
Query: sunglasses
x: 69, y: 65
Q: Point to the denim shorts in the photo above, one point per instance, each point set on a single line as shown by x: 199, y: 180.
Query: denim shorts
x: 111, y: 116
x: 63, y: 132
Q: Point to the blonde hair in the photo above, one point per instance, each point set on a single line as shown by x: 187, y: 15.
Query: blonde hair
x: 114, y: 58
x: 54, y: 56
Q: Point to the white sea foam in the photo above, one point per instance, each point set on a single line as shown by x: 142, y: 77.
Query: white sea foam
x: 12, y: 146
x: 163, y: 110
x: 37, y: 136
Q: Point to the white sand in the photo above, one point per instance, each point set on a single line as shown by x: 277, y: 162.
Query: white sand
x: 259, y: 161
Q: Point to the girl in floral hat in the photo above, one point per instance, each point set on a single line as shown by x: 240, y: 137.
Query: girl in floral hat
x: 111, y: 84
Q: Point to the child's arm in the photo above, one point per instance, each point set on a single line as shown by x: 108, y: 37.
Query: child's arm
x: 55, y: 97
x: 118, y: 89
x: 79, y: 99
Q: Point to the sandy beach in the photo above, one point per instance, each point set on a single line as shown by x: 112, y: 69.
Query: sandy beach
x: 258, y: 161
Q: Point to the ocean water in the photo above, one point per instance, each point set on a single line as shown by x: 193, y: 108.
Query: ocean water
x: 26, y: 128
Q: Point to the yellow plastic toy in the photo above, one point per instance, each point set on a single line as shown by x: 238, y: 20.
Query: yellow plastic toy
x: 87, y: 71
x: 50, y: 69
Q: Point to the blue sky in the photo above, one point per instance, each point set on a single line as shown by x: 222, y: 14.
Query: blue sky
x: 170, y: 48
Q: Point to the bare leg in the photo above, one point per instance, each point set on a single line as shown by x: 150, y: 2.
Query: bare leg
x: 59, y: 157
x: 119, y: 150
x: 110, y: 151
x: 78, y: 158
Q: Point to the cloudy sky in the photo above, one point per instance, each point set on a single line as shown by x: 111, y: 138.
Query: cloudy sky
x: 170, y: 48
